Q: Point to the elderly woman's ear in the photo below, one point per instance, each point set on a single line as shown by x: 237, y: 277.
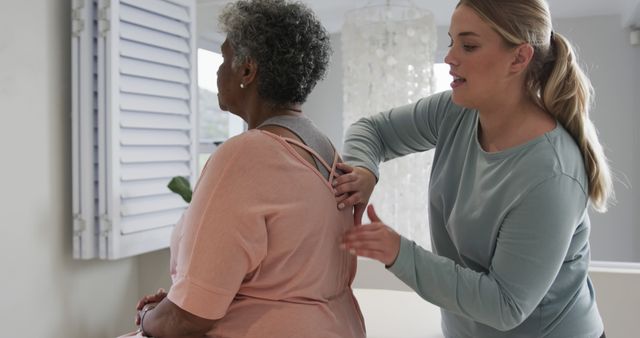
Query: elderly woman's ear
x: 249, y: 71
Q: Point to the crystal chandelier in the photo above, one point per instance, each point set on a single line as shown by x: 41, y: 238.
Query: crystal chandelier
x: 388, y: 51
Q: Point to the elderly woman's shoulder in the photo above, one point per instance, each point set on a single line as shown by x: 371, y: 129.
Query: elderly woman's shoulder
x: 251, y: 141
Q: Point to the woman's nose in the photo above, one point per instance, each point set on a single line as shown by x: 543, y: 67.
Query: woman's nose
x: 449, y: 58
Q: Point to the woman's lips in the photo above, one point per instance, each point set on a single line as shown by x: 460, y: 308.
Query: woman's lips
x: 457, y: 81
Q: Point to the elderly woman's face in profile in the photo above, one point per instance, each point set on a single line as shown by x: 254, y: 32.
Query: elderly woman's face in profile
x: 228, y: 85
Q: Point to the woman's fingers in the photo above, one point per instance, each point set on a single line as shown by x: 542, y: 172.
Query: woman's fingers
x: 341, y: 198
x: 158, y: 296
x: 374, y: 240
x: 365, y: 232
x: 344, y: 183
x: 353, y: 189
x: 155, y: 298
x: 345, y: 168
x: 371, y: 212
x: 351, y: 201
x: 357, y: 179
x: 142, y: 302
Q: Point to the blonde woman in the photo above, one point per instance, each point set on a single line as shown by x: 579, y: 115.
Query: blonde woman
x: 517, y: 164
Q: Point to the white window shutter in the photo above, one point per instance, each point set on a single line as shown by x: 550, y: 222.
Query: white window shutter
x: 84, y: 113
x: 146, y: 121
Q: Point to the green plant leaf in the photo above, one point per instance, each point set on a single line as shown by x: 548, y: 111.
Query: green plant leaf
x: 181, y: 186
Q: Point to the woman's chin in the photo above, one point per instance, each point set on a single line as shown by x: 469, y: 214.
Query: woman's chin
x: 221, y: 104
x: 456, y: 98
x: 460, y: 100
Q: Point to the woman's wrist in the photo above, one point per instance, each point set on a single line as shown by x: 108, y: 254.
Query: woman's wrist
x: 148, y: 307
x: 395, y: 259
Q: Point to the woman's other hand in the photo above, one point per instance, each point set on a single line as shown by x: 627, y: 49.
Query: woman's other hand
x: 375, y: 240
x: 353, y: 189
x: 154, y: 298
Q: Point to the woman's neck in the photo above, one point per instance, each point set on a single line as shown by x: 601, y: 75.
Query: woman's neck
x: 261, y: 113
x: 512, y: 123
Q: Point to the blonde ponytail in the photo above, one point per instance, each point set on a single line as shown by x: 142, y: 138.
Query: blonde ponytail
x: 566, y: 94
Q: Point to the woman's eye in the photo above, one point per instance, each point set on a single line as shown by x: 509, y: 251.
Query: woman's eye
x: 466, y: 47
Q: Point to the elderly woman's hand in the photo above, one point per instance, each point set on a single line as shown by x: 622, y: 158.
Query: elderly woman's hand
x: 149, y: 299
x: 353, y: 189
x: 375, y: 240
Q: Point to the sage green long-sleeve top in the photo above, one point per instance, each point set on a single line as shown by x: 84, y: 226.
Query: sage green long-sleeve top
x: 509, y: 229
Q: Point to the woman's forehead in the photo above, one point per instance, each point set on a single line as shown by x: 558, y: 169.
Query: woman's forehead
x: 226, y: 47
x: 466, y: 22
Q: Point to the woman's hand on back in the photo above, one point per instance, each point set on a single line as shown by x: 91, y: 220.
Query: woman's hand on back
x: 376, y: 240
x: 353, y: 189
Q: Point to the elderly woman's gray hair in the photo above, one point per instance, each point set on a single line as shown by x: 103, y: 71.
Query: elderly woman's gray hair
x: 285, y: 39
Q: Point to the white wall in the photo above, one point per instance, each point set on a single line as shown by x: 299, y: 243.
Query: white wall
x: 44, y: 292
x: 154, y: 272
x: 618, y: 299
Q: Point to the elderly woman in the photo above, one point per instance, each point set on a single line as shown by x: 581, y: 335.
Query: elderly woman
x: 257, y: 252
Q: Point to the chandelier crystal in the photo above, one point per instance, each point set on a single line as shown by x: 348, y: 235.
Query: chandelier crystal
x: 388, y: 51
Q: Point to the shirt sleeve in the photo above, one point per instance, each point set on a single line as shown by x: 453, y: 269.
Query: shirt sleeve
x: 224, y: 236
x: 400, y: 131
x: 531, y: 247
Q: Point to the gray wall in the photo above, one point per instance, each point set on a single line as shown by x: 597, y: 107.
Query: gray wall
x: 614, y: 68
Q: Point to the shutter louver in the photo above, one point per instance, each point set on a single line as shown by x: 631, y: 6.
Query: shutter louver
x: 146, y: 121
